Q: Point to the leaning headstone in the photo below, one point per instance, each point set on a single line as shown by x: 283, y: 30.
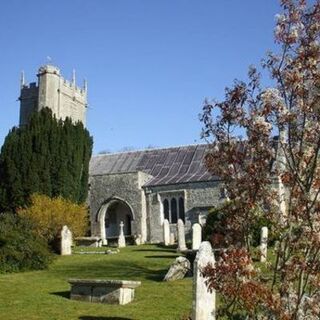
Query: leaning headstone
x: 166, y: 232
x: 178, y: 269
x: 196, y: 236
x: 181, y: 236
x: 121, y: 239
x: 263, y: 244
x: 204, y: 302
x: 66, y: 241
x: 172, y: 238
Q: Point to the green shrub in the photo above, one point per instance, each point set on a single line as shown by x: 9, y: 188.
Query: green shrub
x: 47, y: 156
x: 219, y: 232
x: 256, y: 231
x: 213, y: 223
x: 216, y: 228
x: 20, y: 248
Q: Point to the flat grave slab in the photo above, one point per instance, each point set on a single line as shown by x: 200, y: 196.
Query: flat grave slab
x: 95, y: 242
x: 103, y: 291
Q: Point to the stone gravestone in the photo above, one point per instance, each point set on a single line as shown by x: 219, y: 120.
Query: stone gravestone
x: 121, y: 239
x: 196, y: 236
x: 166, y: 232
x: 204, y: 302
x: 181, y: 236
x: 137, y: 239
x: 264, y: 244
x: 66, y: 241
x: 178, y: 269
x: 172, y: 238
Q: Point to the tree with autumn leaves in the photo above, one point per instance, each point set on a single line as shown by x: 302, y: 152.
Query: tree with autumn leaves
x: 273, y: 173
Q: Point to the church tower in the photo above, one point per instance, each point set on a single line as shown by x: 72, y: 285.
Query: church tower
x: 63, y: 97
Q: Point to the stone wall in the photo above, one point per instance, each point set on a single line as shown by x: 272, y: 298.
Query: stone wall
x: 63, y: 97
x: 28, y: 102
x: 198, y: 198
x: 73, y: 102
x: 122, y: 186
x: 146, y: 203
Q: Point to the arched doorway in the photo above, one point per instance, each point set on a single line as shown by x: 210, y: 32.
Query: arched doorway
x: 111, y: 213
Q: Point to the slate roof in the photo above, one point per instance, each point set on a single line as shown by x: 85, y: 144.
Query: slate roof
x: 167, y: 166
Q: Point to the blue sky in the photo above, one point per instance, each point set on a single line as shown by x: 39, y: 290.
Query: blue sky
x: 149, y: 63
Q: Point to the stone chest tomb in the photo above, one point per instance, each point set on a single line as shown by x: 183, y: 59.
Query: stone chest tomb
x: 103, y: 291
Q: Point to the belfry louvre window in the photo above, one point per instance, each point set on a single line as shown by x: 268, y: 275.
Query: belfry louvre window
x: 173, y: 209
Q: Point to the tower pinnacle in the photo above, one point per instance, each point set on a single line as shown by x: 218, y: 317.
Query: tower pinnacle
x: 74, y: 77
x: 22, y: 79
x: 52, y: 91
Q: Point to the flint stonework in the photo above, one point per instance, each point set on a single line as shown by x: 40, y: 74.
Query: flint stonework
x: 204, y: 302
x: 145, y: 204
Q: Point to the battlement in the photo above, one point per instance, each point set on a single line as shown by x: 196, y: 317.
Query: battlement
x: 53, y: 70
x: 62, y: 96
x: 69, y: 84
x: 48, y: 69
x: 31, y: 85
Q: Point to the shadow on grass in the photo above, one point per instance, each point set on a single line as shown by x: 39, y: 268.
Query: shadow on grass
x: 162, y: 257
x: 160, y: 247
x: 174, y: 250
x: 117, y: 270
x: 63, y: 294
x: 102, y: 318
x: 157, y: 275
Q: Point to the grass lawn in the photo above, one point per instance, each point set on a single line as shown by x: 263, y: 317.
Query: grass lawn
x: 45, y: 294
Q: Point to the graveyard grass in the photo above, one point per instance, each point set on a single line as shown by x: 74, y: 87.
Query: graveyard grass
x: 45, y: 294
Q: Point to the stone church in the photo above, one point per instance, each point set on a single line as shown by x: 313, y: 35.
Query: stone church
x: 140, y: 188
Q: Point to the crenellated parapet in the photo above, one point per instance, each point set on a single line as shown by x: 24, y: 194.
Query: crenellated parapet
x: 62, y: 96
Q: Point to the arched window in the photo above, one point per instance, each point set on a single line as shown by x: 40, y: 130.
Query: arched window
x: 174, y: 211
x: 181, y: 209
x: 165, y: 204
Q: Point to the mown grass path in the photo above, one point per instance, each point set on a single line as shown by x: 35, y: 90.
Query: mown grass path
x: 44, y: 295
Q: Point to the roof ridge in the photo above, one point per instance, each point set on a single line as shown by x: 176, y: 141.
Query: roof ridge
x: 165, y: 165
x: 146, y: 150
